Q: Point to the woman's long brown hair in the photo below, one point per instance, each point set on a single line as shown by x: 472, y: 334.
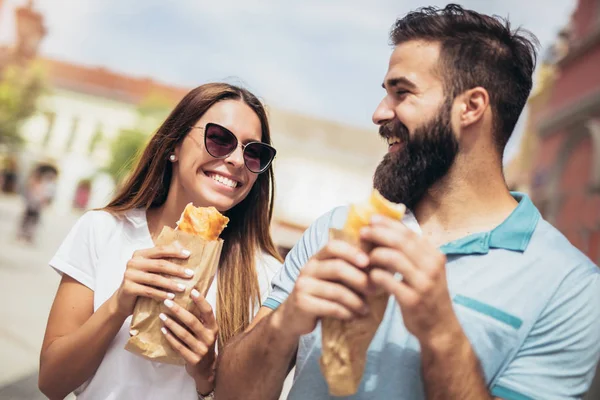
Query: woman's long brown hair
x: 248, y: 231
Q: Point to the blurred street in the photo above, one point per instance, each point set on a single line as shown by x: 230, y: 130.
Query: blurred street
x: 27, y: 287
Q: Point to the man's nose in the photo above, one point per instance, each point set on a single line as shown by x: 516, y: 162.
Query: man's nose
x: 383, y: 113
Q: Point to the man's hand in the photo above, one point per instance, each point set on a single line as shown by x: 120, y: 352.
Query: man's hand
x: 332, y: 284
x: 422, y: 293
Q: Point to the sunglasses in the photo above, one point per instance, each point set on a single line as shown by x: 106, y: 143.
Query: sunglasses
x: 220, y: 142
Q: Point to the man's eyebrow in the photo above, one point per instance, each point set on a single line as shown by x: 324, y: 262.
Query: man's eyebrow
x: 401, y: 81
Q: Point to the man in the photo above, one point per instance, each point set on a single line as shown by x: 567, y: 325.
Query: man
x: 494, y: 302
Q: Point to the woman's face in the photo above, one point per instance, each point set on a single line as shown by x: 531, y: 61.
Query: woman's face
x: 209, y: 181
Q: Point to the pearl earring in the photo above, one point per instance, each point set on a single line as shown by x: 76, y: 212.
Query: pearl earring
x: 172, y: 157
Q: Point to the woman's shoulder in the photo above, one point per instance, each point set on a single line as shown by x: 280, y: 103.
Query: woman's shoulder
x: 99, y: 220
x: 267, y: 267
x: 105, y: 223
x: 267, y: 262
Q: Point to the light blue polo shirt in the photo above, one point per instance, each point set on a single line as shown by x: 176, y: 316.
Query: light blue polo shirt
x: 528, y: 301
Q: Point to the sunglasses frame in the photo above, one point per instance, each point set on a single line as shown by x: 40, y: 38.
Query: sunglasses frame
x: 237, y: 144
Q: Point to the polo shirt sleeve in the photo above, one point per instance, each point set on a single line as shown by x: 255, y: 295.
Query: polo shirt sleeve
x: 313, y: 239
x: 77, y: 255
x: 559, y: 356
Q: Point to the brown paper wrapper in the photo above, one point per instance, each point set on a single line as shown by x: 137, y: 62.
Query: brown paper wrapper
x: 345, y: 342
x: 146, y: 338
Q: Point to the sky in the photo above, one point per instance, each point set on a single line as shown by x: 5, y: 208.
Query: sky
x: 320, y: 58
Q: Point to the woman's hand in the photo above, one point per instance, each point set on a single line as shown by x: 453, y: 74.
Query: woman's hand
x: 196, y: 341
x: 144, y: 277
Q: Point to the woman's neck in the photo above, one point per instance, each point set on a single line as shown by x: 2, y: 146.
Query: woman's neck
x: 166, y: 214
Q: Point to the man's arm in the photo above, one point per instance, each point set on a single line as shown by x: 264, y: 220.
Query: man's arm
x: 255, y: 364
x: 264, y: 341
x: 451, y: 370
x: 450, y: 367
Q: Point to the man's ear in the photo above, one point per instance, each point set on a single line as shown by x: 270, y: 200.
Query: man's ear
x: 473, y: 104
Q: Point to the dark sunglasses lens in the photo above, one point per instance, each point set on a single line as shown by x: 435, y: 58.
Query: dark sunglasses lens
x: 258, y: 156
x: 219, y: 142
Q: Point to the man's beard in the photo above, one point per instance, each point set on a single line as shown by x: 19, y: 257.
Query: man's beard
x: 405, y: 176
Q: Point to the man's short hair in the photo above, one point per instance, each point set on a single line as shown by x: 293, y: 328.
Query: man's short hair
x: 477, y: 50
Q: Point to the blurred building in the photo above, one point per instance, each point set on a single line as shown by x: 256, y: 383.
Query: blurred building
x: 565, y: 181
x: 518, y: 172
x: 320, y: 164
x: 559, y: 159
x: 84, y: 111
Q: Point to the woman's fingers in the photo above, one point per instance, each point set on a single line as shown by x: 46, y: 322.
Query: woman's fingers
x: 154, y: 280
x: 192, y: 322
x: 184, y: 336
x: 135, y: 289
x: 160, y: 266
x: 188, y: 355
x: 173, y: 250
x: 203, y: 311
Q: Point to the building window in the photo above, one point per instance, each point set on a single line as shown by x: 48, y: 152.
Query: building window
x: 72, y: 135
x: 50, y: 117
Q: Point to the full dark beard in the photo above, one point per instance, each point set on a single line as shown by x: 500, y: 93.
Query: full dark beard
x: 405, y: 176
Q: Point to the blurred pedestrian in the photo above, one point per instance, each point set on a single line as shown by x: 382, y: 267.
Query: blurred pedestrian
x: 38, y: 193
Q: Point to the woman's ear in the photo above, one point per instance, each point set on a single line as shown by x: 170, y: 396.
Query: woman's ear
x: 176, y: 152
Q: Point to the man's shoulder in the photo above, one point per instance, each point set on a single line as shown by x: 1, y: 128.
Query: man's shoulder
x: 553, y: 251
x: 317, y: 233
x: 334, y: 218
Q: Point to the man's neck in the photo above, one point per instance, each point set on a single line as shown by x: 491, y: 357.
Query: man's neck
x: 468, y: 200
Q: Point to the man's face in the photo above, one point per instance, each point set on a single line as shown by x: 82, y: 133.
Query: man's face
x: 415, y: 117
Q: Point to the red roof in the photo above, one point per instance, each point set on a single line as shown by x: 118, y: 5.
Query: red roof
x: 103, y: 82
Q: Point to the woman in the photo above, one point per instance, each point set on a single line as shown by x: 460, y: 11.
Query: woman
x: 212, y: 150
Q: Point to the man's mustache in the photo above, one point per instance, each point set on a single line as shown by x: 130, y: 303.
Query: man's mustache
x: 394, y: 128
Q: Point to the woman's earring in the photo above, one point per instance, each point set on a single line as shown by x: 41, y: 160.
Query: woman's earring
x: 172, y: 157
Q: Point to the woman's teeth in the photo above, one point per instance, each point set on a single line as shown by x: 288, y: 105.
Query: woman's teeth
x: 223, y: 180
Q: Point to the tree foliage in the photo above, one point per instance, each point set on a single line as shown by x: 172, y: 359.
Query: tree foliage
x: 20, y: 88
x: 129, y: 144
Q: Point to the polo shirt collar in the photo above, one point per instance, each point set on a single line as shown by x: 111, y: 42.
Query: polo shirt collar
x: 514, y: 233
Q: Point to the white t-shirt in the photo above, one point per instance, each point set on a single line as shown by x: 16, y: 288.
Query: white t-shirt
x: 95, y: 253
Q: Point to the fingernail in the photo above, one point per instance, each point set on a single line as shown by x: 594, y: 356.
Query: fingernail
x: 170, y: 296
x: 162, y: 316
x: 163, y: 330
x: 168, y: 303
x: 189, y: 272
x: 362, y: 259
x: 376, y: 218
x: 181, y: 287
x: 186, y: 253
x: 195, y: 293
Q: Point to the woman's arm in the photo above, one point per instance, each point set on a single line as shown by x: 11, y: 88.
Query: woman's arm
x: 76, y: 338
